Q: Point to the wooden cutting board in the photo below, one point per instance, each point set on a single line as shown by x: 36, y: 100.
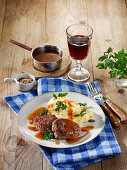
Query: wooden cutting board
x: 27, y: 65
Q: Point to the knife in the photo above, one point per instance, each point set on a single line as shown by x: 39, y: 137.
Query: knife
x: 110, y: 114
x: 118, y: 111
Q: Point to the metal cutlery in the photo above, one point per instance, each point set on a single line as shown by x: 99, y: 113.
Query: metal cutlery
x: 118, y: 111
x: 97, y: 95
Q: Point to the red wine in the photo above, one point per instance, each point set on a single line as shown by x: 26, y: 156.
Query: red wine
x: 78, y: 46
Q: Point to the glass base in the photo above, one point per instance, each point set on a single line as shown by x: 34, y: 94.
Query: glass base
x: 78, y: 75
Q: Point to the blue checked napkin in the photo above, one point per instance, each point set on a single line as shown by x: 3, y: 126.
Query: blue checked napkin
x: 103, y: 146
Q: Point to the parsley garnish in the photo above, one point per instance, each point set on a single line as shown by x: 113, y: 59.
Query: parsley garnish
x: 104, y: 98
x: 60, y: 105
x: 64, y: 106
x: 54, y: 96
x: 49, y: 135
x: 60, y: 95
x: 44, y: 111
x: 84, y: 110
x: 82, y: 113
x: 91, y: 120
x: 82, y: 104
x: 117, y: 62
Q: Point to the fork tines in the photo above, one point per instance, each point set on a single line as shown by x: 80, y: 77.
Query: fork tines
x: 92, y: 88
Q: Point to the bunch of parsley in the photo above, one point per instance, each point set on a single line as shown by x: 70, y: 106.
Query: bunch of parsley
x: 117, y: 62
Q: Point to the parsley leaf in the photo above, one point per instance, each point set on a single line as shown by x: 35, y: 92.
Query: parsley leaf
x: 44, y: 111
x: 100, y: 65
x: 58, y: 104
x: 59, y: 95
x: 82, y: 113
x: 116, y: 61
x: 82, y: 104
x: 48, y: 136
x: 62, y: 94
x: 64, y: 106
x: 54, y: 95
x: 91, y: 120
x: 102, y: 58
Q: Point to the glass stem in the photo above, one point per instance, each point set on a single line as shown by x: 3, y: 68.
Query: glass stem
x: 78, y: 65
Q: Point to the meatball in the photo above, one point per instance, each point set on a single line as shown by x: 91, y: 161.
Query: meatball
x: 65, y: 129
x: 43, y: 123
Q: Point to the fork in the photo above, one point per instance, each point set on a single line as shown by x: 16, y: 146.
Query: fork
x: 117, y: 111
x: 97, y: 95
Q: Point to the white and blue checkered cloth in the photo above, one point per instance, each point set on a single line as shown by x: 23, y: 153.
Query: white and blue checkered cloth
x: 103, y: 146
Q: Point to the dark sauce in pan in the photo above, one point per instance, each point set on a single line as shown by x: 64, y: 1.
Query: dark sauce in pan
x: 47, y: 57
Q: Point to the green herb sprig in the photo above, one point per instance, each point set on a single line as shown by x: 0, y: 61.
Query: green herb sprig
x: 44, y: 111
x: 59, y: 95
x: 63, y: 106
x: 91, y: 120
x: 54, y: 95
x: 49, y: 135
x: 82, y: 104
x: 60, y: 105
x: 117, y: 62
x: 82, y: 113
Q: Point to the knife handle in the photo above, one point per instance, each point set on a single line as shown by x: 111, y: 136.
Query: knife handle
x: 112, y: 118
x: 122, y: 116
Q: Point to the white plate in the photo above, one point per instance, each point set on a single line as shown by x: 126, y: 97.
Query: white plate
x: 42, y: 100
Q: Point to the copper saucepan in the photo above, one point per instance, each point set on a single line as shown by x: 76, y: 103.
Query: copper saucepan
x: 45, y: 66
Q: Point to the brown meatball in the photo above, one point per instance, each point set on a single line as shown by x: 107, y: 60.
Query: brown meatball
x: 65, y: 129
x: 43, y: 123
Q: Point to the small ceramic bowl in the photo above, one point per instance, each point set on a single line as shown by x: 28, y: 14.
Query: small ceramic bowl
x: 22, y: 86
x: 121, y: 82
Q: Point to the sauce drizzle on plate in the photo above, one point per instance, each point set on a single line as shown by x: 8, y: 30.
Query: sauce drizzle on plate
x: 83, y: 129
x: 57, y: 142
x: 30, y: 121
x: 35, y: 113
x: 31, y: 128
x: 39, y: 136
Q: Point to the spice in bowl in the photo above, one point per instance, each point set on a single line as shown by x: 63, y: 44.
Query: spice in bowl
x: 25, y: 80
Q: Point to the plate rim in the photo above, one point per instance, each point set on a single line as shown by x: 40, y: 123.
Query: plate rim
x: 57, y: 147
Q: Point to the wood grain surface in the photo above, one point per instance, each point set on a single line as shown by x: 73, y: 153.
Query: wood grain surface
x: 2, y: 13
x: 41, y: 22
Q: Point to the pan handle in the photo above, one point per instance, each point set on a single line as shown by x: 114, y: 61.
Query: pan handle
x: 21, y: 45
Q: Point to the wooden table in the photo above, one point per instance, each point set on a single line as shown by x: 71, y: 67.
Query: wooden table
x: 44, y: 22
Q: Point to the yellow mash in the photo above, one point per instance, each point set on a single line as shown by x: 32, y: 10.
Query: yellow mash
x: 70, y: 111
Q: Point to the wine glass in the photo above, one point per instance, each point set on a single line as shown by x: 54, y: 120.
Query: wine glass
x: 79, y: 38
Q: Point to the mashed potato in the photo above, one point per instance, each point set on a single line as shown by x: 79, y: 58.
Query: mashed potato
x: 70, y: 111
